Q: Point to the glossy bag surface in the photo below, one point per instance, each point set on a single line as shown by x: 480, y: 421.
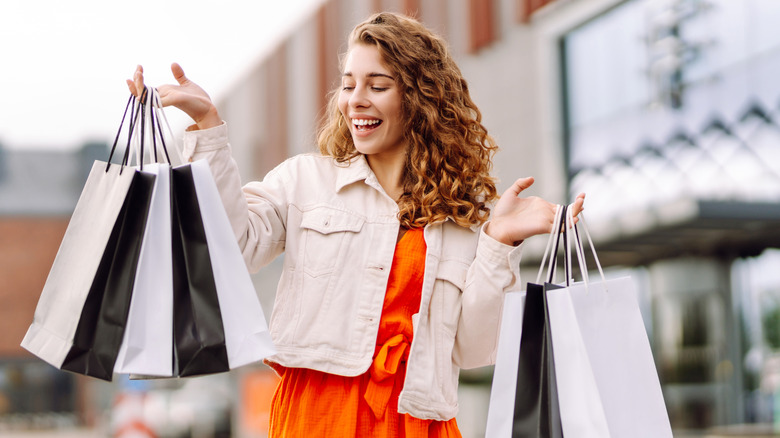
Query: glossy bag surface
x: 536, y: 409
x: 199, y: 335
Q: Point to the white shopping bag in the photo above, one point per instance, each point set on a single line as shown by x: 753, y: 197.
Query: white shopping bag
x: 247, y: 338
x: 614, y: 337
x: 76, y: 266
x: 502, y: 392
x: 603, y: 361
x: 148, y: 339
x: 582, y: 413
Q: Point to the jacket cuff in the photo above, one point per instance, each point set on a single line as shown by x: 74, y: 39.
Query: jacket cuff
x: 499, y: 253
x: 196, y: 140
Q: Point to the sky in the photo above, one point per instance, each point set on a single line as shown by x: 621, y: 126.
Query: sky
x: 63, y: 63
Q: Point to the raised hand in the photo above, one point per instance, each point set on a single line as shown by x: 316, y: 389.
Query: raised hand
x: 186, y: 95
x: 515, y: 218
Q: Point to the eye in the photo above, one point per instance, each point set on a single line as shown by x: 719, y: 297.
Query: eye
x: 379, y: 88
x: 347, y: 88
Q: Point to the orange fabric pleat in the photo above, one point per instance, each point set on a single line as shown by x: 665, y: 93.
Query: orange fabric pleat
x: 309, y: 403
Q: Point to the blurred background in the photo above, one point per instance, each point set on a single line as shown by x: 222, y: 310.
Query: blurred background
x: 665, y: 112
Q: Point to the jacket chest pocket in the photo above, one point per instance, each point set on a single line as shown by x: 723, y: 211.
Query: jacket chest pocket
x: 327, y: 234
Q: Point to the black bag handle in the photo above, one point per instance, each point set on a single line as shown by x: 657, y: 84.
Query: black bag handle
x: 560, y: 228
x: 138, y: 116
x: 130, y: 101
x: 136, y: 108
x: 156, y: 104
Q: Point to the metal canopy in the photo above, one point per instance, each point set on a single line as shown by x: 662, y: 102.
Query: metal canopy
x: 685, y: 227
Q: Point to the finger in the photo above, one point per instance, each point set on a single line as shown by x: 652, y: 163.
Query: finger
x: 178, y: 74
x: 520, y: 185
x: 138, y: 80
x: 131, y: 87
x: 579, y: 204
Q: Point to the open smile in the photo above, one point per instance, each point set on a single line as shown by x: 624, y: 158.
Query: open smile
x: 365, y: 125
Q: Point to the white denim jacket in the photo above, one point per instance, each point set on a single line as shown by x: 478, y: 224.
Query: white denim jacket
x: 338, y: 230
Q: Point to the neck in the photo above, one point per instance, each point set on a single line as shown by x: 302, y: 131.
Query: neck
x: 389, y: 171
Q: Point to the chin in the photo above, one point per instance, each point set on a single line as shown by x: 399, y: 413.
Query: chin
x: 365, y: 149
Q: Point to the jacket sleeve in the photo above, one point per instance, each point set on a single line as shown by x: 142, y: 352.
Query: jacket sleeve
x: 495, y: 270
x: 257, y: 211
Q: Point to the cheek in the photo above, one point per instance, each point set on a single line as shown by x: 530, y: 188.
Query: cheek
x: 395, y: 107
x: 343, y: 101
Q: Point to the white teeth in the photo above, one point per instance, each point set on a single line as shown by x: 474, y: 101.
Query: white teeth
x: 363, y: 122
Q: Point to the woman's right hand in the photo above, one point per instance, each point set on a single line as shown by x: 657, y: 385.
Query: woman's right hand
x: 187, y: 96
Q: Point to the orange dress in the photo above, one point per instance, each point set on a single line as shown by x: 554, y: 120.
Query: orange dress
x: 309, y: 403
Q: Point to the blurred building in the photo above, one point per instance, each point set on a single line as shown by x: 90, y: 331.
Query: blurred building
x: 665, y: 112
x: 38, y: 191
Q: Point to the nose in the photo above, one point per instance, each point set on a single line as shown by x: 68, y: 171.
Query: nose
x: 359, y: 97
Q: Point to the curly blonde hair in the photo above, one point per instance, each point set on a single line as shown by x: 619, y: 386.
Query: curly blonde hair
x: 448, y: 162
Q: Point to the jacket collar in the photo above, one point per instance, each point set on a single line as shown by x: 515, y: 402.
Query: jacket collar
x: 358, y: 169
x: 353, y: 171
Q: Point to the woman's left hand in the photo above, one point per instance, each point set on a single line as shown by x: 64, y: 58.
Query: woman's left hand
x: 515, y: 219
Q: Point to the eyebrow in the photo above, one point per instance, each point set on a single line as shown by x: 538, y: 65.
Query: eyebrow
x: 371, y: 75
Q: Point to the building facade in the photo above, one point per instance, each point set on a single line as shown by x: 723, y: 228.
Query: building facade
x: 665, y: 112
x: 38, y: 191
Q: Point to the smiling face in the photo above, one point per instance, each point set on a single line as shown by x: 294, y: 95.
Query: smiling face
x: 370, y: 102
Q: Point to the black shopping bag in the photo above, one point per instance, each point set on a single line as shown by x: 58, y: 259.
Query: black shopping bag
x: 536, y: 410
x: 199, y: 335
x: 100, y: 329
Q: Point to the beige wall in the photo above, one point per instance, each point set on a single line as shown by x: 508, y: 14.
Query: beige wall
x: 514, y: 81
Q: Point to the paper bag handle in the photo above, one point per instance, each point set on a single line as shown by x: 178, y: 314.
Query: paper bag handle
x: 553, y: 246
x: 146, y: 111
x: 564, y: 228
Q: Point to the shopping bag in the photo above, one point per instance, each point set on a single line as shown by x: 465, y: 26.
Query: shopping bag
x: 79, y: 320
x: 536, y: 409
x: 502, y: 391
x: 219, y: 323
x: 147, y: 346
x: 199, y: 336
x: 523, y: 400
x: 624, y: 379
x: 246, y: 331
x: 582, y: 412
x: 608, y: 384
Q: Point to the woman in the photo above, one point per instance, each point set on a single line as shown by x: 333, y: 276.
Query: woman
x: 393, y: 276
